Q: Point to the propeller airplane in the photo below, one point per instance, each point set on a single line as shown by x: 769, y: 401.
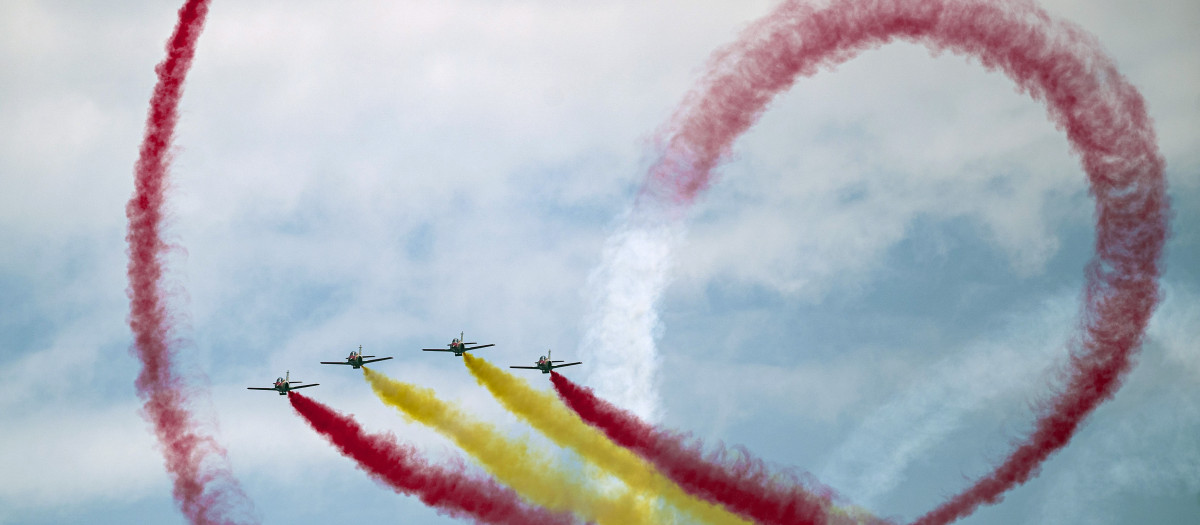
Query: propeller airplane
x: 356, y: 359
x: 458, y: 346
x: 283, y: 385
x: 546, y: 365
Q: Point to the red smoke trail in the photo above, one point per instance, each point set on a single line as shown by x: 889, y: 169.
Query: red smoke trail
x: 205, y: 487
x: 739, y: 481
x: 1057, y: 63
x: 451, y: 490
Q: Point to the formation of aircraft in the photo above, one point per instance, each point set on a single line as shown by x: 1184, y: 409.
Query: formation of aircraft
x: 546, y: 365
x: 356, y: 359
x: 283, y: 385
x: 458, y: 346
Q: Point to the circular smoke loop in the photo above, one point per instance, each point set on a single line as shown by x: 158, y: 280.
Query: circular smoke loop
x: 1053, y: 61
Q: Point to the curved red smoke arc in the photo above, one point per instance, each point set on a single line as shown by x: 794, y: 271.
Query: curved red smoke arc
x: 204, y: 485
x: 1056, y: 62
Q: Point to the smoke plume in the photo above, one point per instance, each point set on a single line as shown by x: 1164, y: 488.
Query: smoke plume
x: 546, y: 413
x: 532, y: 473
x: 734, y: 478
x: 204, y: 485
x: 451, y: 489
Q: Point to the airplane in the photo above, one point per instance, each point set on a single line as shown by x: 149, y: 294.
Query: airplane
x: 546, y: 365
x: 356, y: 359
x: 458, y: 346
x: 283, y: 384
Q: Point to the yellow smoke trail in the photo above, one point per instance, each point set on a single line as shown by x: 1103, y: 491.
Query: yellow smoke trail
x: 545, y: 412
x: 852, y: 515
x: 511, y: 462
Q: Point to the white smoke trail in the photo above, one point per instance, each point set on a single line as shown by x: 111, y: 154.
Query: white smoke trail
x: 874, y: 460
x: 622, y: 321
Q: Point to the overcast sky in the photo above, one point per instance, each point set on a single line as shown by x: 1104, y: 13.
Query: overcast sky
x: 876, y: 290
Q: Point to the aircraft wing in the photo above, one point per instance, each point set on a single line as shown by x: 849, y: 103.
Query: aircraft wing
x: 568, y: 364
x: 437, y: 349
x: 256, y: 388
x: 334, y: 363
x: 526, y: 367
x: 304, y: 386
x: 376, y: 360
x: 478, y: 347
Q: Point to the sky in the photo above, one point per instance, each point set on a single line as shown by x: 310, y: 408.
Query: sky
x: 876, y: 290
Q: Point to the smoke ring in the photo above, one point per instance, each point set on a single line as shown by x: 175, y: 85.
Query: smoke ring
x: 1055, y: 62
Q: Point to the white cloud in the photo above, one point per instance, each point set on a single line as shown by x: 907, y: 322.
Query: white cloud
x: 67, y: 457
x: 1142, y: 444
x: 1176, y: 327
x: 388, y: 174
x: 817, y: 194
